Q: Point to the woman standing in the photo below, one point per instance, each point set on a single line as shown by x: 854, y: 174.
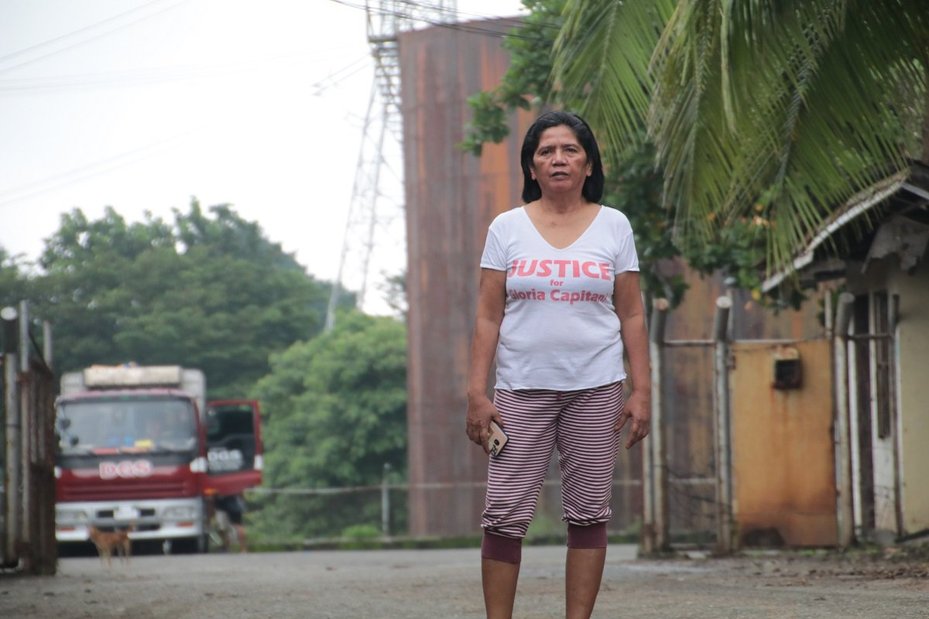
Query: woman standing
x: 559, y: 301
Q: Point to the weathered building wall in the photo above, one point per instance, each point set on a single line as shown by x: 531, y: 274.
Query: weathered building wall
x: 451, y: 197
x: 913, y: 425
x: 898, y: 457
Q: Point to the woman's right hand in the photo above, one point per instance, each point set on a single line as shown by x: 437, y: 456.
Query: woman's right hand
x: 480, y: 412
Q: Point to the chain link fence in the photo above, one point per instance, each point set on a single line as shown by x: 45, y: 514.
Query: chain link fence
x: 377, y: 514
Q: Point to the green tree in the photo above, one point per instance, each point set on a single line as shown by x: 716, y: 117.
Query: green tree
x: 394, y: 291
x: 336, y: 413
x: 776, y: 112
x: 527, y: 81
x: 13, y: 282
x: 209, y: 291
x: 633, y: 180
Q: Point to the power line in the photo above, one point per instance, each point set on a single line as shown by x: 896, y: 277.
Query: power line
x: 414, y: 5
x: 382, y: 119
x: 85, y: 29
x: 25, y: 50
x: 471, y: 28
x: 63, y: 179
x: 146, y: 77
x: 106, y: 165
x: 333, y: 79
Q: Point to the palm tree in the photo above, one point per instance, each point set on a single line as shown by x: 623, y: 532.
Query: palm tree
x: 777, y: 110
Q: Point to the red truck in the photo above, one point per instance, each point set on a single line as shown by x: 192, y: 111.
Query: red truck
x: 139, y: 447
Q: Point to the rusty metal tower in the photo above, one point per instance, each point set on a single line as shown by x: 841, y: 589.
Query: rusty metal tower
x: 376, y: 182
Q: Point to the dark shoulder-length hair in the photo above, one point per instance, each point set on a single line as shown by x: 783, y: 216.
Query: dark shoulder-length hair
x: 593, y: 186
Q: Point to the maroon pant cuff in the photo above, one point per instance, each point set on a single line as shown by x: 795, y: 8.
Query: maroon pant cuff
x: 500, y: 548
x: 591, y: 536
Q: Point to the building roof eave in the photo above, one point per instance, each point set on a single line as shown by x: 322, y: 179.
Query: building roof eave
x: 856, y: 206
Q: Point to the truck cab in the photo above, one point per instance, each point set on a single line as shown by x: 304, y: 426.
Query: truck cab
x: 139, y: 448
x: 130, y: 459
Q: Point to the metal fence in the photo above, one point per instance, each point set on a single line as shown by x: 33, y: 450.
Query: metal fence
x: 27, y: 491
x: 323, y: 516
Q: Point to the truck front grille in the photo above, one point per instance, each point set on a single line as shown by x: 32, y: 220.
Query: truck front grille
x: 142, y: 490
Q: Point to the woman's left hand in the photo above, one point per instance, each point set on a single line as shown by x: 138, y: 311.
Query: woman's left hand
x: 637, y: 412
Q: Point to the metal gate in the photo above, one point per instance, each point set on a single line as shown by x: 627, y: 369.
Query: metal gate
x: 27, y: 517
x: 742, y: 450
x: 783, y: 457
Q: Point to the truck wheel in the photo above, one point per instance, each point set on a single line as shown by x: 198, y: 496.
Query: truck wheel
x: 185, y: 546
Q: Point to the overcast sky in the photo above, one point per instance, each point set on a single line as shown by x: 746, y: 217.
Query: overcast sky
x: 144, y: 104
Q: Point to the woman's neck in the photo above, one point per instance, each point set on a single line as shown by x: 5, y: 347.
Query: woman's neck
x: 562, y: 205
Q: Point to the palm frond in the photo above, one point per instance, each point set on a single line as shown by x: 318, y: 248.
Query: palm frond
x: 601, y: 59
x: 822, y: 120
x: 788, y: 107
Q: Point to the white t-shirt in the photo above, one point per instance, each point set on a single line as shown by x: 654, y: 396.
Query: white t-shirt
x: 560, y: 330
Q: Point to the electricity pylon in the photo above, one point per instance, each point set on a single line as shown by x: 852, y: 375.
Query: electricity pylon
x: 382, y: 130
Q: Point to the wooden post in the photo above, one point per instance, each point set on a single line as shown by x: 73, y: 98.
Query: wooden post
x: 843, y: 474
x: 655, y: 529
x: 47, y: 343
x: 385, y: 502
x: 725, y: 543
x: 26, y: 428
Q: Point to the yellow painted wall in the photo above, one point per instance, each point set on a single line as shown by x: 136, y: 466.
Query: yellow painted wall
x: 782, y: 455
x: 913, y: 366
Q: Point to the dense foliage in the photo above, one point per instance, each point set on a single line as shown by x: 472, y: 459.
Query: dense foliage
x: 634, y: 182
x: 527, y: 81
x: 336, y: 414
x: 761, y: 119
x: 772, y: 112
x: 13, y: 282
x: 209, y: 291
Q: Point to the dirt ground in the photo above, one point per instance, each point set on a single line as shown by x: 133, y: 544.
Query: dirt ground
x: 445, y: 584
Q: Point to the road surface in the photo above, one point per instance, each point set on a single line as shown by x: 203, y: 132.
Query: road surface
x: 445, y: 584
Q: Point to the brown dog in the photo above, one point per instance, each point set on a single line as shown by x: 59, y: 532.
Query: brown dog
x: 107, y: 542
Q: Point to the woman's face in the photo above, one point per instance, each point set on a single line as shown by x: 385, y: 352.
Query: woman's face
x: 559, y: 163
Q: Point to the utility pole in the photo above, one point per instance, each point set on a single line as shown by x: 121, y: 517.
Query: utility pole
x: 382, y: 130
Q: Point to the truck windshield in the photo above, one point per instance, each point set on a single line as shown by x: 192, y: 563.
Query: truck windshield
x: 125, y: 424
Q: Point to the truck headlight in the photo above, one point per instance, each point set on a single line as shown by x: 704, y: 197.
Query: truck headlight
x: 70, y: 516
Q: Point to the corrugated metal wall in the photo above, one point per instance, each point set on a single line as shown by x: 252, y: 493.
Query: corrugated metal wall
x: 783, y: 463
x: 451, y: 198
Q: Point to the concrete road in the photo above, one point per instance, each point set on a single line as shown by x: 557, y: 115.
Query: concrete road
x: 445, y: 584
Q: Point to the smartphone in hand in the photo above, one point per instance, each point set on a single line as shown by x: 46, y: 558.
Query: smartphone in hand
x: 497, y: 440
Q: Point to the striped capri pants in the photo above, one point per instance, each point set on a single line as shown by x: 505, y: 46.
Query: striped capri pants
x: 581, y: 424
